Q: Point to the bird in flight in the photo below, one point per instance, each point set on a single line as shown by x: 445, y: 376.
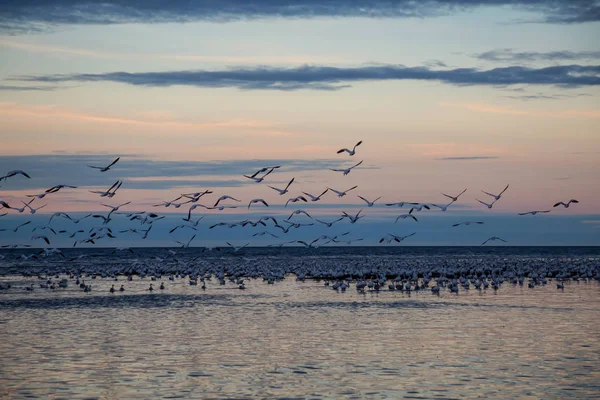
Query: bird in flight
x: 315, y: 198
x: 535, y: 212
x: 342, y: 194
x: 329, y: 224
x: 346, y: 171
x: 369, y: 203
x: 255, y: 201
x: 295, y: 200
x: 454, y: 198
x: 490, y: 205
x: 494, y: 238
x: 225, y: 197
x: 350, y: 152
x: 566, y: 205
x: 104, y: 169
x: 10, y: 174
x: 497, y: 197
x: 467, y: 223
x: 404, y: 216
x: 283, y: 191
x: 353, y: 219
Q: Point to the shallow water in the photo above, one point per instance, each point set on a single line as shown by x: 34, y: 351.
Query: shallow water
x: 298, y: 340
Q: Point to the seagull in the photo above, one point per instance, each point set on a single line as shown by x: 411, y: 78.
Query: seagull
x: 194, y: 197
x: 284, y: 191
x: 221, y: 207
x: 109, y: 192
x: 467, y: 223
x: 10, y: 174
x: 369, y: 203
x: 258, y: 179
x: 265, y: 169
x: 169, y: 203
x: 223, y: 224
x: 72, y: 235
x: 404, y: 216
x: 300, y: 212
x: 354, y: 219
x: 295, y: 200
x: 182, y: 227
x: 315, y: 198
x: 400, y: 204
x: 566, y: 205
x: 31, y: 209
x: 350, y: 152
x: 192, y: 208
x: 56, y: 188
x: 44, y: 238
x: 497, y: 197
x: 104, y: 169
x: 535, y: 212
x: 257, y: 201
x: 59, y: 215
x: 236, y: 248
x: 263, y: 233
x: 307, y: 245
x: 76, y: 221
x: 442, y: 208
x: 23, y: 224
x: 493, y: 238
x: 346, y: 171
x: 329, y: 224
x: 486, y: 204
x: 396, y: 238
x: 454, y: 198
x: 225, y: 197
x: 38, y: 196
x: 342, y: 194
x: 115, y: 208
x: 43, y: 228
x: 254, y: 224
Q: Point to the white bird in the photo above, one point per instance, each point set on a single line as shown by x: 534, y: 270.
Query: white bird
x: 418, y: 207
x: 115, y: 208
x: 535, y: 212
x: 263, y: 233
x: 566, y: 205
x: 76, y: 221
x: 56, y: 188
x: 265, y: 169
x: 300, y: 212
x: 497, y: 197
x: 346, y: 171
x: 442, y: 208
x: 404, y: 216
x: 467, y: 223
x: 396, y: 238
x: 494, y: 238
x: 490, y: 205
x: 169, y: 203
x: 59, y: 215
x: 353, y: 219
x: 225, y: 197
x: 31, y: 209
x: 260, y: 178
x: 255, y: 201
x: 109, y: 193
x: 44, y: 238
x: 315, y: 198
x: 10, y: 174
x: 369, y: 203
x: 44, y: 228
x: 236, y: 248
x: 342, y: 194
x: 295, y: 200
x: 350, y: 152
x: 284, y: 191
x: 399, y: 204
x: 329, y: 224
x: 104, y: 169
x: 192, y: 208
x: 454, y: 198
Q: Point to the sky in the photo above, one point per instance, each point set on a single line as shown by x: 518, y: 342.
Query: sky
x: 444, y: 94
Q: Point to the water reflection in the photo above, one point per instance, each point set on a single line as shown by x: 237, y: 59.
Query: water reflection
x: 299, y: 340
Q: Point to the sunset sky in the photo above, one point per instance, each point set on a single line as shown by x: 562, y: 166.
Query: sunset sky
x: 445, y: 94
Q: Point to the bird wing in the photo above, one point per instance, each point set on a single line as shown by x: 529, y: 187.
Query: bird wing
x: 352, y: 188
x: 113, y: 163
x: 290, y: 182
x: 356, y: 165
x: 343, y: 150
x: 91, y: 166
x: 503, y: 190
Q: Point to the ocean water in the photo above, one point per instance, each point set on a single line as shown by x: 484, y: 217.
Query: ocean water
x: 298, y: 339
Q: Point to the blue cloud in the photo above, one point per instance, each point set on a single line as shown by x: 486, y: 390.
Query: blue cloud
x: 51, y: 169
x: 18, y: 17
x: 509, y: 55
x: 335, y: 78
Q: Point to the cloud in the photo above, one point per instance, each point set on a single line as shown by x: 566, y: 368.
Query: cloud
x: 546, y: 96
x: 19, y: 17
x: 138, y: 172
x: 467, y: 158
x: 509, y: 55
x: 26, y: 88
x: 336, y: 78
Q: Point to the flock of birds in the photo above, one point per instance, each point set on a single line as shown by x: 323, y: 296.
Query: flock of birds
x: 195, y: 200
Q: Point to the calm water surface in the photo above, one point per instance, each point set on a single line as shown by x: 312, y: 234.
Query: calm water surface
x: 298, y: 340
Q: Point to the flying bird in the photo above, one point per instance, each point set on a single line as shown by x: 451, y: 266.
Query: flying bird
x: 350, y: 152
x: 44, y: 238
x: 255, y: 201
x: 56, y: 188
x: 494, y: 238
x: 104, y: 169
x: 467, y: 223
x: 566, y: 205
x: 260, y: 178
x: 369, y: 203
x: 315, y: 198
x: 284, y: 191
x: 31, y: 209
x: 225, y: 197
x: 10, y: 174
x: 295, y: 200
x: 497, y: 197
x: 342, y: 194
x: 297, y: 212
x: 404, y: 216
x: 454, y: 198
x: 329, y: 224
x: 346, y: 171
x: 490, y: 205
x: 535, y: 212
x: 353, y: 219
